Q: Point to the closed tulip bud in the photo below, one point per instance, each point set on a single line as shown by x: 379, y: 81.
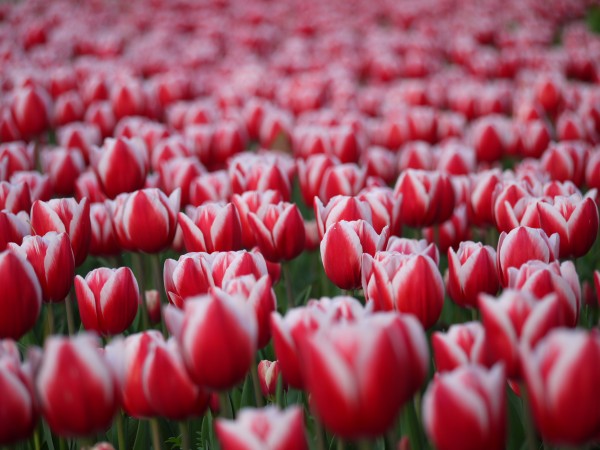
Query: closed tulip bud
x: 127, y: 98
x: 14, y: 197
x: 153, y: 304
x: 38, y: 184
x: 65, y: 215
x: 340, y: 207
x: 80, y: 136
x: 380, y: 162
x: 8, y: 127
x: 68, y: 108
x: 406, y: 283
x: 31, y: 109
x: 268, y: 375
x: 211, y: 227
x: 210, y: 187
x: 13, y: 228
x: 524, y: 244
x: 574, y: 218
x: 408, y: 246
x: 21, y: 299
x: 146, y: 220
x: 342, y: 248
x: 217, y: 334
x: 534, y: 135
x: 121, y: 165
x: 100, y: 114
x: 488, y: 136
x: 560, y: 376
x: 358, y: 393
x: 462, y: 344
x: 87, y: 185
x: 189, y: 276
x: 279, y: 231
x: 466, y: 409
x: 427, y: 197
x: 63, y: 167
x: 251, y: 202
x: 19, y: 410
x: 415, y: 155
x: 310, y: 175
x: 482, y: 195
x: 516, y: 317
x: 541, y: 279
x: 229, y: 138
x: 260, y: 295
x: 179, y: 172
x: 108, y: 299
x: 19, y: 156
x: 257, y: 173
x: 385, y: 208
x: 75, y: 365
x: 471, y: 270
x: 343, y: 179
x: 266, y: 428
x: 451, y: 232
x: 566, y: 161
x: 52, y: 260
x: 509, y: 203
x: 103, y: 242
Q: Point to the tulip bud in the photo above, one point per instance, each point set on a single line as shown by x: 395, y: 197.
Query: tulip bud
x: 462, y: 344
x: 466, y: 409
x: 211, y: 227
x: 75, y: 365
x: 14, y: 198
x: 268, y: 375
x: 266, y: 428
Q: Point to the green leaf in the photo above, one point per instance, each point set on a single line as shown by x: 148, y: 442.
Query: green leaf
x: 247, y: 397
x: 141, y: 438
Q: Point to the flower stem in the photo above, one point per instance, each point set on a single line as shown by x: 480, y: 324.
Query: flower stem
x: 320, y: 435
x: 120, y: 431
x: 225, y: 405
x: 36, y: 439
x: 185, y: 435
x: 138, y: 268
x: 69, y: 312
x: 287, y: 274
x: 154, y: 427
x: 256, y: 383
x: 530, y: 433
x: 340, y: 444
x: 49, y: 319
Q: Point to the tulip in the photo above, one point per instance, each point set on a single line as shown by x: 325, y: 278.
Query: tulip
x: 14, y: 197
x: 358, y: 393
x: 101, y: 115
x: 127, y: 98
x: 19, y: 156
x: 342, y: 248
x: 279, y: 231
x: 52, y: 260
x: 81, y: 136
x: 471, y: 270
x: 63, y: 167
x: 211, y: 227
x: 108, y: 299
x: 121, y: 165
x: 229, y: 138
x: 64, y: 215
x: 339, y: 208
x: 21, y: 299
x: 179, y: 172
x: 343, y: 179
x: 68, y: 108
x: 462, y: 344
x: 252, y: 201
x: 13, y: 228
x: 524, y: 244
x: 210, y: 187
x: 266, y: 428
x: 428, y: 197
x: 482, y: 195
x: 451, y: 232
x: 541, y: 279
x: 75, y: 365
x: 406, y: 283
x: 257, y: 173
x: 18, y: 414
x: 31, y: 110
x: 104, y: 241
x: 310, y: 175
x: 87, y: 185
x: 39, y: 184
x: 566, y: 161
x: 574, y: 218
x: 268, y: 375
x: 385, y: 208
x: 560, y: 376
x: 408, y: 246
x: 516, y: 317
x: 145, y: 220
x: 217, y: 334
x: 466, y: 409
x: 381, y: 163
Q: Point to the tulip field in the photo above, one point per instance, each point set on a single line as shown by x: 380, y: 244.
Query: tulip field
x: 294, y: 225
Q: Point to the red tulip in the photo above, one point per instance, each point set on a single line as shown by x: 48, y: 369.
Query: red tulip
x: 466, y: 409
x: 342, y: 179
x: 210, y: 187
x: 574, y: 218
x: 14, y: 197
x: 524, y: 244
x: 516, y: 317
x: 68, y: 107
x: 121, y: 165
x: 342, y: 248
x: 64, y: 215
x: 251, y: 202
x: 541, y: 279
x: 256, y: 173
x: 104, y: 241
x: 38, y: 184
x: 211, y: 227
x: 482, y: 195
x: 179, y: 172
x: 108, y: 299
x: 87, y: 185
x: 471, y: 270
x: 310, y: 175
x: 63, y: 166
x: 462, y: 344
x: 427, y: 197
x: 266, y: 428
x: 81, y: 136
x: 408, y: 246
x: 355, y: 375
x: 52, y: 259
x: 18, y: 415
x: 13, y: 228
x: 268, y: 375
x: 31, y: 108
x: 20, y: 156
x: 101, y: 115
x: 127, y: 98
x: 21, y: 300
x: 385, y: 208
x: 406, y: 283
x: 560, y: 375
x: 279, y: 231
x: 217, y: 334
x: 340, y: 207
x: 566, y: 161
x: 145, y: 220
x: 75, y: 365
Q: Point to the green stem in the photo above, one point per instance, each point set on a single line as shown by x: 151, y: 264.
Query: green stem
x: 285, y: 266
x: 36, y: 439
x: 530, y: 433
x: 474, y: 314
x: 155, y: 429
x: 411, y: 425
x: 320, y: 435
x: 84, y: 443
x: 69, y: 312
x: 256, y: 383
x: 225, y: 405
x: 138, y: 268
x: 120, y: 431
x: 364, y: 444
x: 157, y: 274
x: 185, y: 435
x: 62, y: 443
x: 49, y: 319
x: 279, y: 393
x: 340, y: 444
